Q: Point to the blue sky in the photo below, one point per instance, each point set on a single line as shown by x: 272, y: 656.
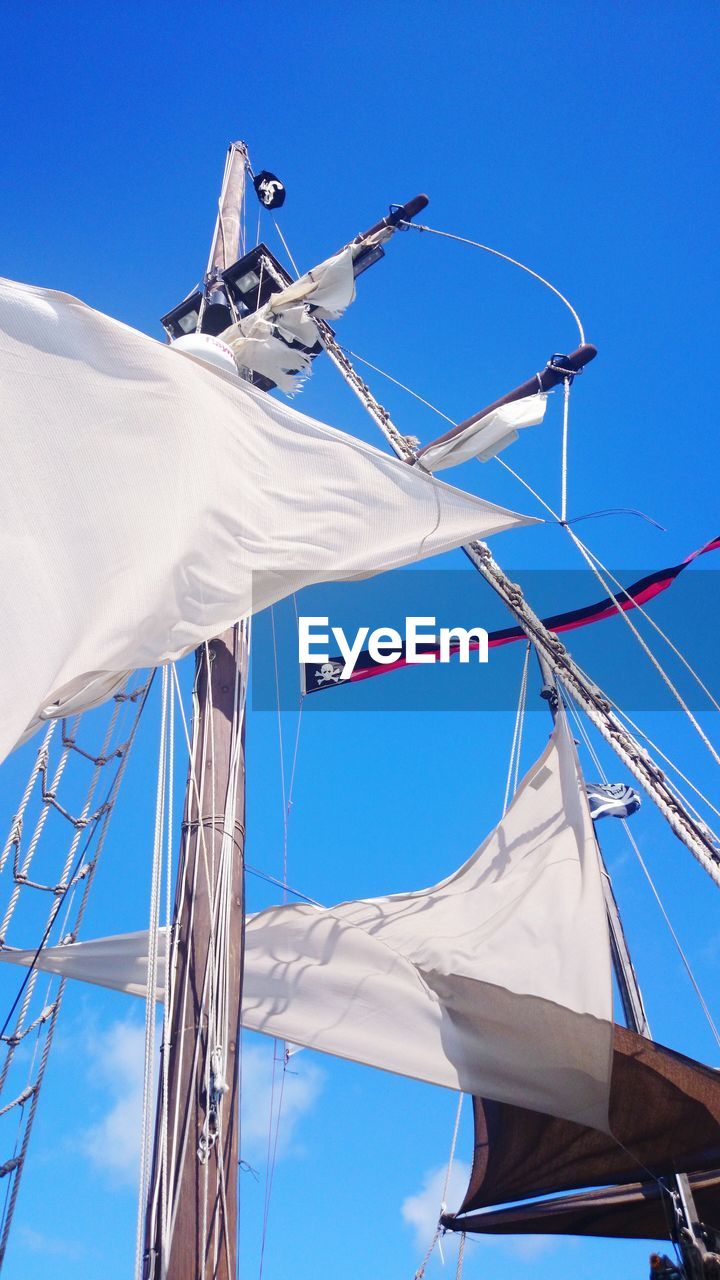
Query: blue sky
x: 581, y: 141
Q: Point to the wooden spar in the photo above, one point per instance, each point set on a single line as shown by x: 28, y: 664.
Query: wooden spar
x: 200, y: 1237
x: 400, y: 213
x: 694, y: 834
x: 225, y: 247
x: 549, y: 377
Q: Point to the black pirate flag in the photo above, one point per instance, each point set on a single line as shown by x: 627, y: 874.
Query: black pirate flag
x: 270, y: 190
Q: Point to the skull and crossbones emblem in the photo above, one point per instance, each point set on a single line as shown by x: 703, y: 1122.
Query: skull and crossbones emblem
x: 268, y: 189
x: 329, y: 673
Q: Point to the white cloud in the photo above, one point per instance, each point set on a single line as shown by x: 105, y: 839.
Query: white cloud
x: 50, y: 1246
x: 529, y: 1247
x: 421, y: 1211
x: 300, y: 1088
x: 117, y: 1056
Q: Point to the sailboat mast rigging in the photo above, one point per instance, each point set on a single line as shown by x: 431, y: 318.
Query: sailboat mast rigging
x: 687, y: 1228
x: 425, y: 1013
x: 191, y: 1218
x: 555, y: 663
x: 694, y: 834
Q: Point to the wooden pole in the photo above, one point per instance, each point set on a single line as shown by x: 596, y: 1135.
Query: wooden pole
x: 195, y: 1236
x: 225, y: 247
x: 191, y: 1221
x: 551, y: 376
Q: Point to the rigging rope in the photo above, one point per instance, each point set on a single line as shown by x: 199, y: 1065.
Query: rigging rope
x: 598, y: 568
x: 280, y: 884
x: 287, y: 802
x: 658, y: 629
x: 475, y: 244
x: 590, y: 561
x: 415, y: 395
x: 167, y: 1010
x: 286, y: 248
x: 514, y: 761
x: 151, y: 977
x: 671, y: 765
x: 594, y: 564
x: 451, y: 1157
x: 564, y: 462
x: 461, y: 1256
x: 171, y: 995
x: 646, y: 871
x: 272, y: 1151
x: 287, y: 793
x: 439, y: 1230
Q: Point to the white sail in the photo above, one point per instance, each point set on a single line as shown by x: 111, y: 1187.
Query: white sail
x: 487, y: 437
x: 150, y: 501
x: 496, y: 981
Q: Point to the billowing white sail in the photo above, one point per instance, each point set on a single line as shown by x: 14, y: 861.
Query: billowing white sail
x: 486, y: 437
x: 150, y: 501
x: 496, y: 981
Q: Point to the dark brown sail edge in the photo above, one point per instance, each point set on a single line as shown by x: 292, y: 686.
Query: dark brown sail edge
x: 637, y: 1211
x: 665, y: 1119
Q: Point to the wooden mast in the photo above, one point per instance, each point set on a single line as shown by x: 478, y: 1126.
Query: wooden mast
x: 191, y: 1219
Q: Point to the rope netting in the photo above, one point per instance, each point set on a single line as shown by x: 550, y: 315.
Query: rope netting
x: 48, y: 863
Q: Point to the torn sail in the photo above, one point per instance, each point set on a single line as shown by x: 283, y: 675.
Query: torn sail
x: 280, y: 339
x: 484, y: 437
x: 152, y: 501
x: 495, y: 981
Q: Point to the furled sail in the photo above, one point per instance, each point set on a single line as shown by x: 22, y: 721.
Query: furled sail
x: 664, y: 1118
x: 151, y: 501
x: 484, y: 437
x: 495, y: 981
x: 636, y: 1211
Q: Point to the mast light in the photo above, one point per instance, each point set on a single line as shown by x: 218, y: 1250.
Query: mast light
x: 184, y: 318
x: 241, y: 289
x: 254, y: 278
